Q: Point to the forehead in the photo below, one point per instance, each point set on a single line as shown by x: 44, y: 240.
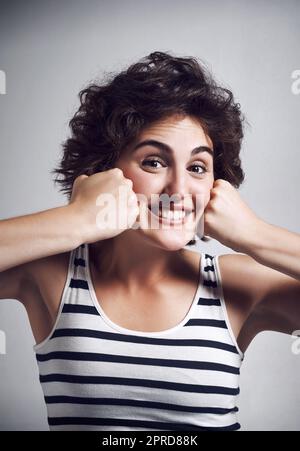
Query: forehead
x: 177, y: 130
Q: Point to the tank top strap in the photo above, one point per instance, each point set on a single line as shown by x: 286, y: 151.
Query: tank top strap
x: 209, y: 275
x: 77, y: 288
x: 79, y: 263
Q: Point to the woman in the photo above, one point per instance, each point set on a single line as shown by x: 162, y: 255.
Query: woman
x: 133, y: 330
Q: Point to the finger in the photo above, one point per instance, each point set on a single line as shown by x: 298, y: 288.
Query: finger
x: 132, y: 199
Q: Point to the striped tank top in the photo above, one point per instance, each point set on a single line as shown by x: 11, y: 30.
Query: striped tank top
x: 97, y: 375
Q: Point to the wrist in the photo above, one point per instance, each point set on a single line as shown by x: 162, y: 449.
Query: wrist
x: 74, y: 226
x: 256, y: 238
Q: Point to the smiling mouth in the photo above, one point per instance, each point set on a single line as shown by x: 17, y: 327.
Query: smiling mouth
x: 170, y: 216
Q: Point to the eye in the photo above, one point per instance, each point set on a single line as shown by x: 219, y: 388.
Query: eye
x: 152, y: 160
x: 204, y: 170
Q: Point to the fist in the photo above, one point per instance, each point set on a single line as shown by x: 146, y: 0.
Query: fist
x: 104, y: 204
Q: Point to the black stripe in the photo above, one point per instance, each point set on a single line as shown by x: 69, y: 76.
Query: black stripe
x: 89, y: 333
x: 209, y: 268
x: 208, y: 301
x: 82, y: 245
x: 136, y: 403
x: 79, y: 283
x: 209, y: 256
x: 78, y: 308
x: 129, y: 360
x: 207, y: 322
x: 210, y: 283
x: 192, y: 388
x: 79, y: 262
x: 85, y: 421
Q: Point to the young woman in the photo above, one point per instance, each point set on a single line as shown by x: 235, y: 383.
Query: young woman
x: 133, y: 330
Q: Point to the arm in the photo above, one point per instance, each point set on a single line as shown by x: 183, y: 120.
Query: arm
x: 30, y: 237
x: 234, y: 224
x: 276, y: 248
x: 275, y: 264
x: 270, y: 272
x: 261, y: 298
x: 26, y: 239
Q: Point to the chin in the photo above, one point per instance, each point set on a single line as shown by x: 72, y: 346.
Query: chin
x: 168, y: 239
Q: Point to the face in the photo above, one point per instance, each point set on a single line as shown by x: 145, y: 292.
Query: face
x: 173, y: 169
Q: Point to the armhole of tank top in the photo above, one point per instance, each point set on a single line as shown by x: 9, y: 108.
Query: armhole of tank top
x: 223, y: 305
x: 37, y: 346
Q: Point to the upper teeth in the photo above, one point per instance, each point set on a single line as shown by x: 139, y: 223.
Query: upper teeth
x: 174, y: 215
x: 169, y: 214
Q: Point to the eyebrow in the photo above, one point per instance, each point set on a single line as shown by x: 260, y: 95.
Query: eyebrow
x: 165, y: 147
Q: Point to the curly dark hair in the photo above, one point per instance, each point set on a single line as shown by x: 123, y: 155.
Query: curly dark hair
x: 114, y: 112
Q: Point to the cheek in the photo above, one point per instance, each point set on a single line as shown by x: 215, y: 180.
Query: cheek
x: 203, y: 190
x: 143, y: 182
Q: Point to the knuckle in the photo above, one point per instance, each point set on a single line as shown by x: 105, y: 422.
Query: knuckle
x: 221, y: 182
x: 225, y: 182
x: 117, y: 171
x: 78, y: 180
x: 129, y: 182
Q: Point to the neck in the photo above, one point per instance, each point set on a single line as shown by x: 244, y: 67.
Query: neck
x: 131, y: 260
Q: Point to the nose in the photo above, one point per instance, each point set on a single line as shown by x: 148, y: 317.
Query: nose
x: 177, y: 184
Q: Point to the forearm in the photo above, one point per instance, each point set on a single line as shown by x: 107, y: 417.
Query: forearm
x: 275, y: 247
x: 37, y: 235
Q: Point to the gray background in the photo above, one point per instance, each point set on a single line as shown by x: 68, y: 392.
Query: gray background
x: 50, y: 50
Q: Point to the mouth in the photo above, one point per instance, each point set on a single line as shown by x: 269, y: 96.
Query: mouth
x: 170, y: 216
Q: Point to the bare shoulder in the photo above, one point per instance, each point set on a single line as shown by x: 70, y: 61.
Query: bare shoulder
x: 245, y: 285
x: 240, y: 274
x: 42, y: 292
x: 47, y: 276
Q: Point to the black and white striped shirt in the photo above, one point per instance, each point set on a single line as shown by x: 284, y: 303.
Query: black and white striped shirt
x: 97, y: 375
